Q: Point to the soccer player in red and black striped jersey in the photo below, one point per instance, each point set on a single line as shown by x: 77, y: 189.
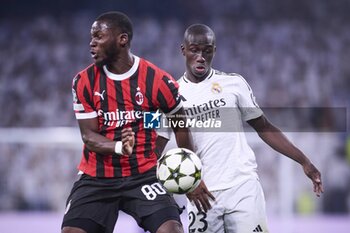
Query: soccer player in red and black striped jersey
x: 118, y: 164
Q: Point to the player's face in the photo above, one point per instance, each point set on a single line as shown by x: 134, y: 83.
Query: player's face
x: 103, y: 44
x: 199, y: 51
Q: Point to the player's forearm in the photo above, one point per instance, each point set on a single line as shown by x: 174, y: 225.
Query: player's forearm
x: 279, y: 142
x: 183, y: 138
x: 98, y: 143
x: 182, y: 135
x: 161, y: 143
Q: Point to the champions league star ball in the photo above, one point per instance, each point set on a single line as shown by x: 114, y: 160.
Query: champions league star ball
x: 179, y: 170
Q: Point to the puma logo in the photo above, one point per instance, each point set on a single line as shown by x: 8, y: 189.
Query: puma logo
x: 100, y: 94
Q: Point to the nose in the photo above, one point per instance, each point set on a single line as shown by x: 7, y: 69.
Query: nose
x: 92, y: 43
x: 200, y: 57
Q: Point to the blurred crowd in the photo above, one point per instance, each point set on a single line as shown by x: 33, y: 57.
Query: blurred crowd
x: 288, y: 63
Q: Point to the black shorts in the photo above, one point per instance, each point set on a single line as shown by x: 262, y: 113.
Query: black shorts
x: 100, y: 199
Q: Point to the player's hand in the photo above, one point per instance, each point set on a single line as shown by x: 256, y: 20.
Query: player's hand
x: 200, y: 196
x: 315, y: 176
x: 128, y: 140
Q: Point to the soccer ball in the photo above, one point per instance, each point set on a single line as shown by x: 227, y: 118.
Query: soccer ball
x: 179, y: 170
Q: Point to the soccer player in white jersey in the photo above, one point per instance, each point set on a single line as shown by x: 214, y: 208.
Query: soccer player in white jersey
x: 229, y: 166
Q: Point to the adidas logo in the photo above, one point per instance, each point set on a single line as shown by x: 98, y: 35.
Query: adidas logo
x: 258, y: 229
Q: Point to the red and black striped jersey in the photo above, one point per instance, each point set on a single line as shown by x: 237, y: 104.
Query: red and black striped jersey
x: 119, y: 101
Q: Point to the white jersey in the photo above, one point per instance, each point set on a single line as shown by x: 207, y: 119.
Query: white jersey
x: 225, y: 154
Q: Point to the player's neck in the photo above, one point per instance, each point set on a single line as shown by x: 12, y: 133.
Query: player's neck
x: 196, y: 79
x: 122, y: 64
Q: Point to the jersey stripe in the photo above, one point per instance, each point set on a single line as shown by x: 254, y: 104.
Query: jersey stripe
x: 125, y: 160
x: 165, y: 94
x: 104, y: 167
x: 133, y: 88
x: 150, y: 135
x: 162, y: 101
x: 100, y: 83
x: 90, y: 85
x: 149, y: 88
x: 87, y: 84
x: 118, y: 163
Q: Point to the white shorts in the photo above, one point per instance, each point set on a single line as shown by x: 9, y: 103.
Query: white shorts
x: 240, y: 209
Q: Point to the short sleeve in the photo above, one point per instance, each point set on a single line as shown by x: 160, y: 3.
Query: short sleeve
x: 168, y: 95
x: 82, y: 99
x: 246, y: 101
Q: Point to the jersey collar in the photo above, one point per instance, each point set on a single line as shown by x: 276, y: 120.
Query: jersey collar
x: 128, y: 74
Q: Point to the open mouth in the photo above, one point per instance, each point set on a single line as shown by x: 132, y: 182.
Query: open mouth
x: 93, y: 54
x: 200, y: 69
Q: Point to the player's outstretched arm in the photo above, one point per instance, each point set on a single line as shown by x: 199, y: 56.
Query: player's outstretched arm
x: 279, y: 142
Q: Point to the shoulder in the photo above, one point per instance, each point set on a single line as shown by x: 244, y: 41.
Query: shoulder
x: 86, y: 72
x: 159, y: 72
x: 233, y: 78
x: 86, y: 77
x: 233, y: 82
x: 161, y: 79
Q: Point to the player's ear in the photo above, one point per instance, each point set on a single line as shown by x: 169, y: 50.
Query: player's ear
x: 183, y: 49
x: 123, y: 39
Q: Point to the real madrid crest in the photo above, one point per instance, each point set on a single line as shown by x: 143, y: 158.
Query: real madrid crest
x: 216, y: 88
x: 139, y: 96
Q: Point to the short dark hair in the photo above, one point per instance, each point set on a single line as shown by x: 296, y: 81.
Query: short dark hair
x: 118, y: 20
x: 198, y: 29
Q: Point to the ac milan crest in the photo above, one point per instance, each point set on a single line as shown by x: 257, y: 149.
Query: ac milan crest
x: 139, y: 96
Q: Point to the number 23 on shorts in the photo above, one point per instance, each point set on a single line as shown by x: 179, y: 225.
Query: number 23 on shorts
x: 197, y: 222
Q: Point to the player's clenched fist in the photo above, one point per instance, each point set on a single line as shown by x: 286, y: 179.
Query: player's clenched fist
x: 128, y: 141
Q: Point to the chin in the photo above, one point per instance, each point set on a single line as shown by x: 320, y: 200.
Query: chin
x: 99, y: 63
x: 199, y: 75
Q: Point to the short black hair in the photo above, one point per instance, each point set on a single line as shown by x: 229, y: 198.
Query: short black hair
x: 118, y: 20
x: 196, y: 29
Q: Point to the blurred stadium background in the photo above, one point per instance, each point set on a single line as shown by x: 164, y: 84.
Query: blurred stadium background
x: 293, y: 53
